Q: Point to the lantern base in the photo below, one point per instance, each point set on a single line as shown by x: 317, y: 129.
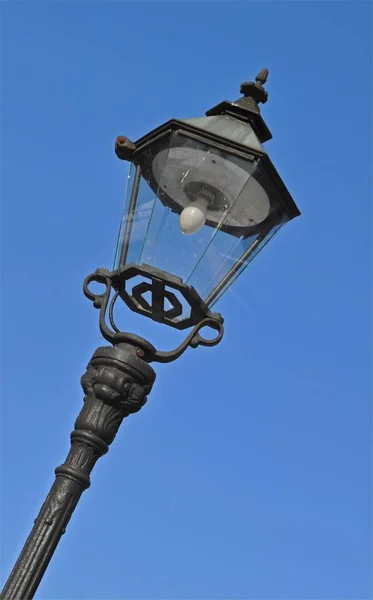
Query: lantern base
x: 162, y: 287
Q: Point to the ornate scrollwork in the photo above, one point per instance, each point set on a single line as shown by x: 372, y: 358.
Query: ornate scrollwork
x: 162, y: 287
x: 114, y: 388
x: 118, y: 382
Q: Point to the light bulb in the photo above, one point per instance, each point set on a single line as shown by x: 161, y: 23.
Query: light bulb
x: 193, y: 217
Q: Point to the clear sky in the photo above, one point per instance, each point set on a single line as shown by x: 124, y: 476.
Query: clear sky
x: 248, y: 474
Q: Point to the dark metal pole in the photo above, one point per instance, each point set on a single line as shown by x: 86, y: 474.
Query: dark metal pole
x: 115, y: 384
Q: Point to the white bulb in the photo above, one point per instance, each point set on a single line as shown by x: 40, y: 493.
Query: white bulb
x: 193, y: 217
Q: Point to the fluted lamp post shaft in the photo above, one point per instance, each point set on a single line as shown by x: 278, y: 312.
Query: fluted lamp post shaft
x: 115, y: 384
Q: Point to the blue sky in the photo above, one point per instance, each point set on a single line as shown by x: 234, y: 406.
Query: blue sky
x: 248, y: 475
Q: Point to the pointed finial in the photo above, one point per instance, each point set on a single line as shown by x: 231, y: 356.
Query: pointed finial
x: 256, y: 90
x: 262, y: 76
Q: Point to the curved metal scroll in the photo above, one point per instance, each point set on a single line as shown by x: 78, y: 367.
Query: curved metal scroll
x: 149, y: 352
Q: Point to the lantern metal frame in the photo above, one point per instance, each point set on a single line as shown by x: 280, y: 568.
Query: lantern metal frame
x: 133, y: 152
x: 130, y: 151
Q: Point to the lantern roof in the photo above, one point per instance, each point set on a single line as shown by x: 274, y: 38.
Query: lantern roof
x: 223, y: 132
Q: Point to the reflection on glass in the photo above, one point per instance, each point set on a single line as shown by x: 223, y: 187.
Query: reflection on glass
x: 245, y: 263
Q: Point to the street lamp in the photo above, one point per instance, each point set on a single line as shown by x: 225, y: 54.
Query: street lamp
x: 203, y: 198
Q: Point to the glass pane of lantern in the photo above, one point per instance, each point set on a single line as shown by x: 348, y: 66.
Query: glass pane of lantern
x: 138, y: 221
x: 214, y: 284
x: 179, y: 172
x: 124, y: 221
x: 192, y: 169
x: 225, y: 251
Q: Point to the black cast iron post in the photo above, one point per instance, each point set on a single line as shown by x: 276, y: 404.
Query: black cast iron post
x: 115, y: 384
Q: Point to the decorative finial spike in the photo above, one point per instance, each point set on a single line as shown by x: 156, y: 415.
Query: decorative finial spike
x: 256, y: 90
x: 262, y: 76
x: 247, y: 108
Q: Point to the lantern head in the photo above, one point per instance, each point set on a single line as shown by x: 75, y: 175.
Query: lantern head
x: 203, y: 197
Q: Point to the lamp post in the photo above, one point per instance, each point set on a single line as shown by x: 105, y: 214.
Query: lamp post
x: 203, y: 198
